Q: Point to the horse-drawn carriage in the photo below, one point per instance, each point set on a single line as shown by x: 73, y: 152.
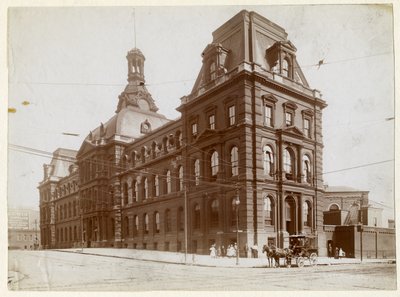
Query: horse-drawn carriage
x: 301, y: 248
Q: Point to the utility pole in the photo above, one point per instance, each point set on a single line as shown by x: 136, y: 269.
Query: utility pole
x: 36, y: 244
x: 186, y: 222
x: 237, y: 202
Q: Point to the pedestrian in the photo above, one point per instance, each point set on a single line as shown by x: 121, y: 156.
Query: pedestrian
x: 246, y: 250
x: 336, y: 253
x: 341, y: 253
x: 255, y: 250
x: 330, y: 250
x: 213, y: 251
x: 219, y: 252
x: 223, y: 251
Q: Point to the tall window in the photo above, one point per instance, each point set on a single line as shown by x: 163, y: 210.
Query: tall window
x: 213, y: 73
x: 214, y: 163
x: 307, y: 213
x: 234, y: 161
x: 125, y: 193
x: 268, y: 115
x: 156, y: 186
x: 288, y: 118
x: 146, y: 223
x: 167, y: 220
x: 181, y: 219
x: 134, y: 190
x: 268, y: 160
x: 232, y: 115
x: 306, y: 169
x: 307, y: 128
x: 126, y: 227
x: 285, y: 68
x: 157, y: 222
x: 197, y: 172
x: 288, y: 164
x: 214, y: 212
x: 196, y: 217
x: 135, y: 225
x: 168, y: 181
x: 194, y: 129
x: 145, y: 188
x: 268, y: 211
x: 211, y: 122
x: 180, y: 178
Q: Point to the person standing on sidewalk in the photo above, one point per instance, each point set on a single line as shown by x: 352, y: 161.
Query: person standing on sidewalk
x: 213, y: 251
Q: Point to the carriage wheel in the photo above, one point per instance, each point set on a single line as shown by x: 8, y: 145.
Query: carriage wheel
x: 313, y: 259
x: 300, y: 261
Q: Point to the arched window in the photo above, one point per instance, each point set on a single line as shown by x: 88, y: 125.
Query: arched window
x: 134, y: 190
x: 214, y: 164
x: 269, y: 211
x: 334, y: 207
x: 167, y: 220
x: 181, y: 219
x: 197, y: 172
x: 307, y: 213
x: 146, y: 223
x: 285, y: 67
x: 168, y: 182
x: 214, y: 206
x: 156, y: 222
x: 306, y: 169
x: 268, y: 160
x: 156, y: 186
x: 234, y: 161
x: 135, y: 225
x: 125, y: 193
x: 145, y: 188
x: 288, y: 164
x: 180, y: 178
x: 196, y: 216
x: 126, y: 225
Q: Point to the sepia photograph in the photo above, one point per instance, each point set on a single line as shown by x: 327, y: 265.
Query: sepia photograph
x: 200, y: 148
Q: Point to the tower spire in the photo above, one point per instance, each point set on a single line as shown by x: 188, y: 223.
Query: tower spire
x: 134, y: 27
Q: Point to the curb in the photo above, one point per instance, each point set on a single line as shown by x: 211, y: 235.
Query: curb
x: 389, y: 261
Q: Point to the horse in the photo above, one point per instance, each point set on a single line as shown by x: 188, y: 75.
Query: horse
x: 277, y: 253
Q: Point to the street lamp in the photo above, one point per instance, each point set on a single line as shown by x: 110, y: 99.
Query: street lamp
x: 237, y: 203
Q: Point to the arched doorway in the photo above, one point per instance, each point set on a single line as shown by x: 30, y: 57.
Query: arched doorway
x: 290, y: 215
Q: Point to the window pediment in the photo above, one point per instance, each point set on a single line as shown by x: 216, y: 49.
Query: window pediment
x: 269, y: 98
x: 289, y: 105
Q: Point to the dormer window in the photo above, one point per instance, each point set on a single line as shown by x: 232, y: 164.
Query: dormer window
x: 213, y: 71
x: 285, y: 68
x: 214, y: 57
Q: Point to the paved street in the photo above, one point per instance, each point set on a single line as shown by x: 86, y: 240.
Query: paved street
x: 53, y: 270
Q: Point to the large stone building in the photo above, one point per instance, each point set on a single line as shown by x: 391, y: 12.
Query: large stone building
x: 243, y: 162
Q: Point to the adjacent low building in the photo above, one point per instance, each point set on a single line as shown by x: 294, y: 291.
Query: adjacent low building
x: 23, y: 229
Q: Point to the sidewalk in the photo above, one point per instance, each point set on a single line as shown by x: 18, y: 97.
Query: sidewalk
x: 204, y: 260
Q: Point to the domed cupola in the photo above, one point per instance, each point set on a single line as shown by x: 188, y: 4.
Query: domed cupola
x: 136, y: 93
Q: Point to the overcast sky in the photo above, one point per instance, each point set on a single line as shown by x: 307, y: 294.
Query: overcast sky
x: 70, y: 64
